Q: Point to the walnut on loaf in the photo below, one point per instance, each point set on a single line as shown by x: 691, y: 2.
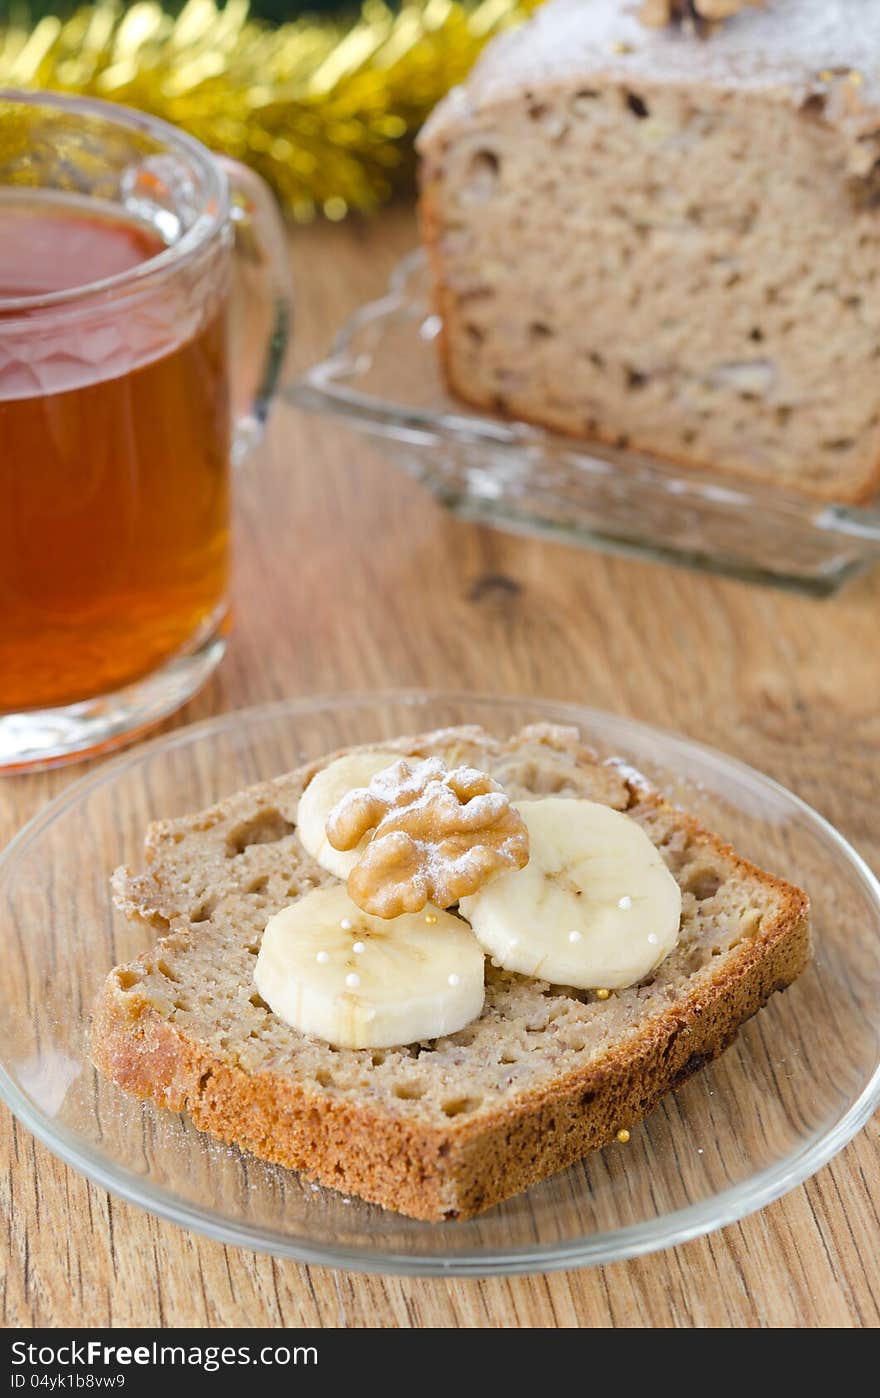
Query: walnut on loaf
x: 644, y: 238
x: 656, y: 13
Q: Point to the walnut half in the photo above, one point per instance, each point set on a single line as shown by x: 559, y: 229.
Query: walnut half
x: 657, y: 13
x: 438, y: 835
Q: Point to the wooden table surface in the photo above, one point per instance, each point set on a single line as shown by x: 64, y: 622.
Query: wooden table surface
x: 350, y: 577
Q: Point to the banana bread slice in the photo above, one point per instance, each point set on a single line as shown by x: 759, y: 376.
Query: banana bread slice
x: 651, y: 240
x: 446, y: 1128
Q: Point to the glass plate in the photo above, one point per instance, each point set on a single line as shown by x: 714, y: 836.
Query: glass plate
x: 382, y: 377
x: 800, y: 1080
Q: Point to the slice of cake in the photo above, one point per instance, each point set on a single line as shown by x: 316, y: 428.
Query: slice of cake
x: 440, y: 1128
x: 653, y: 239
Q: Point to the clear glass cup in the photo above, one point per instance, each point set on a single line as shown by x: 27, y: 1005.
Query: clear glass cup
x: 118, y: 417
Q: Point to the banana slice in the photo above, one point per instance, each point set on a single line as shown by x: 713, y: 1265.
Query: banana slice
x: 369, y: 982
x: 595, y: 905
x: 323, y: 792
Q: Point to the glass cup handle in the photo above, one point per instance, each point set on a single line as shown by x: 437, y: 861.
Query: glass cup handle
x: 262, y: 303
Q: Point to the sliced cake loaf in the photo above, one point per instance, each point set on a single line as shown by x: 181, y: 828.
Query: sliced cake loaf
x: 446, y: 1128
x: 646, y: 238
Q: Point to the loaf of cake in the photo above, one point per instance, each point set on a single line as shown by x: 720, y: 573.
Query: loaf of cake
x: 669, y: 240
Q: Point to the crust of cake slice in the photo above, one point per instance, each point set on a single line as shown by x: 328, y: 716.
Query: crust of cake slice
x: 393, y: 1151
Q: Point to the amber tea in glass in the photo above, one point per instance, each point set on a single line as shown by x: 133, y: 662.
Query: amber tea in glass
x: 114, y: 526
x: 116, y: 248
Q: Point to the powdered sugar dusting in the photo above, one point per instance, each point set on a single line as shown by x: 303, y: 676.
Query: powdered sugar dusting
x: 419, y: 786
x: 631, y: 775
x: 401, y: 783
x: 431, y: 835
x: 787, y: 44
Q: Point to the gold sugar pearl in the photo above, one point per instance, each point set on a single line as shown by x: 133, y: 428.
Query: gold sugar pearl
x: 430, y: 919
x: 603, y: 994
x: 826, y: 75
x: 855, y: 77
x: 623, y: 1135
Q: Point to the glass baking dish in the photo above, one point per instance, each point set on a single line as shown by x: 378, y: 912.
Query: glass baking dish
x: 382, y: 377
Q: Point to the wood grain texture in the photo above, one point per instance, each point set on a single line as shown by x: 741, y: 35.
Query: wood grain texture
x: 349, y: 577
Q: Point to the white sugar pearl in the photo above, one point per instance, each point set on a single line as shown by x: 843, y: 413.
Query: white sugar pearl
x: 358, y: 948
x: 352, y: 980
x: 454, y: 979
x: 652, y: 938
x: 575, y: 936
x: 625, y: 901
x: 346, y: 924
x: 514, y: 942
x: 323, y: 957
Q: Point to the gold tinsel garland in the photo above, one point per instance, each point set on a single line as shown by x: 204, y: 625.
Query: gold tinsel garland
x: 324, y: 110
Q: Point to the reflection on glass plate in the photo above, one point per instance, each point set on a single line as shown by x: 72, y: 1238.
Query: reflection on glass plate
x: 798, y: 1083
